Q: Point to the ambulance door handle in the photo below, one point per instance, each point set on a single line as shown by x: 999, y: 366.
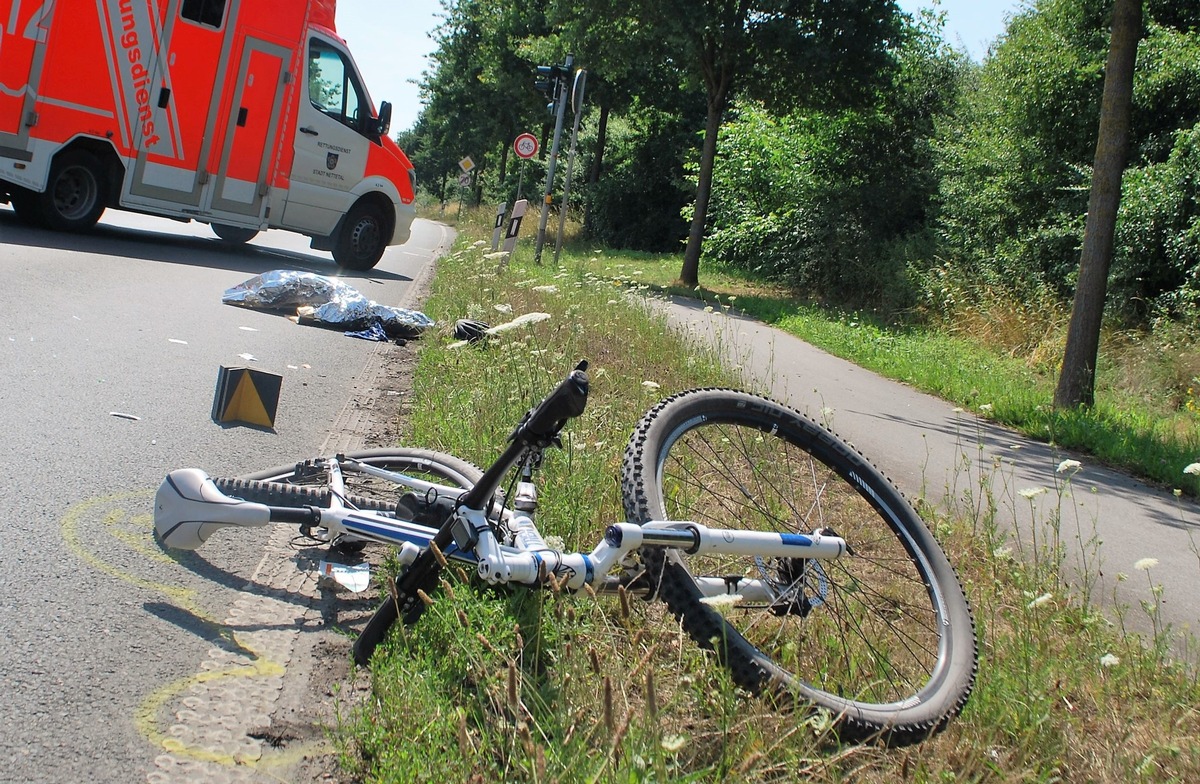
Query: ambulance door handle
x: 309, y: 131
x: 164, y: 97
x: 241, y: 118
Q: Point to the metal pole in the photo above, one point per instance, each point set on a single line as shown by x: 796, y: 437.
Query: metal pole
x: 577, y: 107
x: 547, y: 198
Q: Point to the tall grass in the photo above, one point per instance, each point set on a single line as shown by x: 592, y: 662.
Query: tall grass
x: 500, y: 685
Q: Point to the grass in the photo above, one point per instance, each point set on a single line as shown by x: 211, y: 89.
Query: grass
x: 494, y: 685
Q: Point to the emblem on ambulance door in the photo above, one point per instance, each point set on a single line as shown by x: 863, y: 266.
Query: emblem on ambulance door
x: 331, y: 159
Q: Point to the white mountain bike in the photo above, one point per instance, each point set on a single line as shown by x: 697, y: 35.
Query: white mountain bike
x: 776, y: 545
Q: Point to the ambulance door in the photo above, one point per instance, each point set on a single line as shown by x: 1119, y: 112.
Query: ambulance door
x: 175, y: 108
x: 332, y: 139
x: 23, y: 29
x: 244, y: 161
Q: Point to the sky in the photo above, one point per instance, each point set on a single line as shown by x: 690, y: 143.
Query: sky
x: 391, y: 41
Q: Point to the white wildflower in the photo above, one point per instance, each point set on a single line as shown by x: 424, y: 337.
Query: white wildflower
x: 554, y: 542
x: 519, y: 321
x: 478, y: 244
x: 986, y: 408
x: 1032, y: 492
x: 651, y: 385
x: 1193, y: 469
x: 1039, y: 601
x: 1002, y: 552
x: 1068, y: 466
x: 956, y: 411
x: 502, y: 308
x: 500, y: 254
x: 546, y: 289
x: 673, y: 743
x: 1109, y: 660
x: 1146, y: 564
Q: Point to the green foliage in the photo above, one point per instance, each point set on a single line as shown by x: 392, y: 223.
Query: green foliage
x: 828, y: 201
x: 637, y: 203
x: 1014, y: 162
x: 1157, y: 260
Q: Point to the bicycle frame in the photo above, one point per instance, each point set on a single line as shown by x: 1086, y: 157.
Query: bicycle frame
x: 189, y: 498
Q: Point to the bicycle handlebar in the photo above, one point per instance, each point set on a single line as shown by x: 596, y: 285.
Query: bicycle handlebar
x: 543, y: 423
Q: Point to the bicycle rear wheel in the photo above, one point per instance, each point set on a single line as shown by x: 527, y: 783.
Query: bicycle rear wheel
x: 882, y: 637
x: 289, y: 486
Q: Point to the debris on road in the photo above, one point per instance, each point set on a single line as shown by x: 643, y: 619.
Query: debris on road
x: 326, y: 302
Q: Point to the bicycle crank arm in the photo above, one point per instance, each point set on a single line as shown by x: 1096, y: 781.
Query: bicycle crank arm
x: 693, y: 538
x: 189, y: 507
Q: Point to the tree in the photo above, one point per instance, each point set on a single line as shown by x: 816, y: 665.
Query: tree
x: 1076, y: 384
x: 784, y: 53
x: 481, y: 88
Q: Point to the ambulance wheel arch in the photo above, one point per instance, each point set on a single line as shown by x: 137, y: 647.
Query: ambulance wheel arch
x: 83, y: 180
x: 364, y: 232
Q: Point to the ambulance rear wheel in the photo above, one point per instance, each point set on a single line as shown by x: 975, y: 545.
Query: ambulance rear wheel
x: 234, y: 235
x: 73, y: 199
x: 363, y: 238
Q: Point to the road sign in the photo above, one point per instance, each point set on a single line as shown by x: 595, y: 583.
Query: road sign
x: 466, y: 164
x: 526, y: 146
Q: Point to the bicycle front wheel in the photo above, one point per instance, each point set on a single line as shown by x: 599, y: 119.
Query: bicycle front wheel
x: 881, y: 637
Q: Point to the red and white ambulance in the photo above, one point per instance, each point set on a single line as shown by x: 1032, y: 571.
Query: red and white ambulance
x: 243, y: 114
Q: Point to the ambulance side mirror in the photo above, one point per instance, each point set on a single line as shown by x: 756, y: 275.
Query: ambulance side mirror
x: 384, y: 123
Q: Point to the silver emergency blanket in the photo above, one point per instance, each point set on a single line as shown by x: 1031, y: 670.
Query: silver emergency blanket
x: 326, y: 302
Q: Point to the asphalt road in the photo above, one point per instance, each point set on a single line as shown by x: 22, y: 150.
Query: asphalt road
x: 1107, y: 521
x: 110, y: 343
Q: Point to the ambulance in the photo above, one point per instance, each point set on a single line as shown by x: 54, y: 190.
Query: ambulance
x: 242, y: 114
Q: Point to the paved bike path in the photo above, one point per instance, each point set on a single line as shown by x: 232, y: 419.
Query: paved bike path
x: 933, y: 450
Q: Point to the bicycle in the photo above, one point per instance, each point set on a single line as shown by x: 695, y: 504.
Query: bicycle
x: 775, y: 544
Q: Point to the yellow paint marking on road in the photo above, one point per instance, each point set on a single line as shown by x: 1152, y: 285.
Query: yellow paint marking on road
x: 137, y: 538
x: 147, y: 716
x: 70, y: 534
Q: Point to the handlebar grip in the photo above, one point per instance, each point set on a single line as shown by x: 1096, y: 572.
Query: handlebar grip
x: 569, y: 399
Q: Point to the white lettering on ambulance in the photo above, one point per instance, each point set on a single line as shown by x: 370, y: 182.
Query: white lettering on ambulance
x: 139, y: 76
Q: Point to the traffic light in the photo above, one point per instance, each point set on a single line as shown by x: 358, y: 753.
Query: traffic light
x: 552, y: 80
x: 547, y: 75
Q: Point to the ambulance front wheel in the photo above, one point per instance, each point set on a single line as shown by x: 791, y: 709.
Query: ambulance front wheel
x: 363, y: 238
x: 73, y: 200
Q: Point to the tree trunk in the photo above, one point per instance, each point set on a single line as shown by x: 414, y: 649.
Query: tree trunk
x: 597, y: 165
x: 689, y: 274
x: 1076, y: 384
